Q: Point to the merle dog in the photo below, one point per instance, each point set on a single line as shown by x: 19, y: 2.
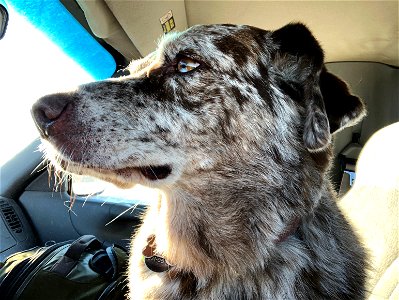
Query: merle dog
x: 233, y: 124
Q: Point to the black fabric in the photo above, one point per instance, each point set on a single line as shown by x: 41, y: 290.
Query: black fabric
x: 80, y: 270
x: 104, y: 263
x: 81, y: 244
x: 73, y: 254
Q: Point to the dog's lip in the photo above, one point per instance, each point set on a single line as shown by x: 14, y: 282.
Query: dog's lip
x: 150, y: 172
x: 156, y: 172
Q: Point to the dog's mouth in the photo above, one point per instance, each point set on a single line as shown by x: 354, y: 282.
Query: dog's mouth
x: 151, y: 172
x: 155, y: 172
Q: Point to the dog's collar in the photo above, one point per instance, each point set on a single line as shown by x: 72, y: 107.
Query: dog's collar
x: 152, y: 259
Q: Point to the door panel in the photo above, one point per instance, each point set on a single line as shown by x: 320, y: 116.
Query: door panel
x: 48, y: 206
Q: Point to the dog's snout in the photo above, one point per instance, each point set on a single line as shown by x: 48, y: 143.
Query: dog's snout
x: 47, y: 110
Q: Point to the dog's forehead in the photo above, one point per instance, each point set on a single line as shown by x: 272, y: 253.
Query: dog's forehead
x: 205, y: 39
x: 209, y: 42
x: 214, y: 31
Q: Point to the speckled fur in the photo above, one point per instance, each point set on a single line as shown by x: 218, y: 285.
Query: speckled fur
x: 248, y: 137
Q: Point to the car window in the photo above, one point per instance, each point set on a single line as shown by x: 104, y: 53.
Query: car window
x: 33, y: 65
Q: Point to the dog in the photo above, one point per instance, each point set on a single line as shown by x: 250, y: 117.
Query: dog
x: 233, y: 124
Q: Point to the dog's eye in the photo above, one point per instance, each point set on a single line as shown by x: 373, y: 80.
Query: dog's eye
x: 185, y: 65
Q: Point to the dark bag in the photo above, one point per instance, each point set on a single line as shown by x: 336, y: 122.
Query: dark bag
x: 83, y: 269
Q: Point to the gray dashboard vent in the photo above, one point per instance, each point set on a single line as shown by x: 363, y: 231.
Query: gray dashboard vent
x: 11, y: 217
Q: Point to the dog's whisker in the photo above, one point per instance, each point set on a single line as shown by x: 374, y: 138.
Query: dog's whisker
x: 72, y: 199
x: 40, y: 167
x: 121, y: 214
x: 67, y: 204
x: 153, y: 172
x: 136, y: 205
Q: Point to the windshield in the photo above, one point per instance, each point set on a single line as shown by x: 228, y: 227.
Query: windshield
x: 31, y: 66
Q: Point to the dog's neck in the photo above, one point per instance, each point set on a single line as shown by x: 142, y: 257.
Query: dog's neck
x: 215, y: 233
x: 215, y: 221
x: 292, y: 229
x: 157, y: 263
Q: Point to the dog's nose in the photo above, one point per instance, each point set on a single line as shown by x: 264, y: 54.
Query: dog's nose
x: 48, y: 109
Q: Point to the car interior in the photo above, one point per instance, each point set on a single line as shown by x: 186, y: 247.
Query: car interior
x: 361, y: 45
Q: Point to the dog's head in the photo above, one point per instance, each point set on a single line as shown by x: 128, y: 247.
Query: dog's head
x: 217, y: 97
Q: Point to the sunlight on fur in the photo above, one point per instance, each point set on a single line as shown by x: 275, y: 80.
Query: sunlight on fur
x: 85, y: 185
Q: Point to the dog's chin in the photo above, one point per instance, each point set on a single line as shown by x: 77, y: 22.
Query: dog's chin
x: 151, y: 175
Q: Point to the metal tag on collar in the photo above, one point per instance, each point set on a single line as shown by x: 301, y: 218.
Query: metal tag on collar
x: 157, y: 264
x: 154, y: 262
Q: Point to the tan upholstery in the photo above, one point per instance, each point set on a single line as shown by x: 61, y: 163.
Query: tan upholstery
x: 372, y: 207
x: 347, y: 30
x: 104, y: 25
x: 377, y: 85
x: 140, y: 20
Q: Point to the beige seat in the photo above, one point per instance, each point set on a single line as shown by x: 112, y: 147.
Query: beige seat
x: 372, y: 207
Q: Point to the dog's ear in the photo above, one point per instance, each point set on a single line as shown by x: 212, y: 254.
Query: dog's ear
x: 326, y: 99
x: 343, y: 109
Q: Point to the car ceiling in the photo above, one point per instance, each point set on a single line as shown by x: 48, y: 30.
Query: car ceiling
x: 347, y: 30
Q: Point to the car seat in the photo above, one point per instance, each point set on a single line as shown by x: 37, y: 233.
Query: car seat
x: 371, y: 205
